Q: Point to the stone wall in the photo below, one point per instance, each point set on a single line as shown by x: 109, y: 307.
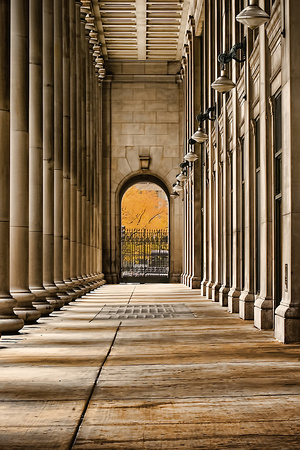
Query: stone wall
x: 142, y: 107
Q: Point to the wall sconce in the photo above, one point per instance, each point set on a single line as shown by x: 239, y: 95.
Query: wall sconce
x: 223, y: 84
x: 191, y: 155
x: 253, y: 16
x: 200, y: 136
x: 177, y: 187
x: 174, y: 194
x: 183, y: 176
x: 144, y: 162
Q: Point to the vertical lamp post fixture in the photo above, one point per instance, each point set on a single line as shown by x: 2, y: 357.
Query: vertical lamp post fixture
x: 253, y: 16
x: 223, y: 84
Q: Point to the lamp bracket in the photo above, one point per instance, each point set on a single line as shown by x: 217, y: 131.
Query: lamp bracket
x: 183, y: 165
x: 225, y: 58
x: 191, y: 141
x: 207, y: 115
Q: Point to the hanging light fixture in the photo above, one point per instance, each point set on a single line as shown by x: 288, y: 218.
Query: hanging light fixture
x: 191, y: 155
x: 223, y: 84
x: 177, y: 187
x: 174, y: 194
x: 253, y: 16
x: 183, y: 176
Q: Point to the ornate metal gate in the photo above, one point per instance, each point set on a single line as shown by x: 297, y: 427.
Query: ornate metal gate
x: 145, y: 256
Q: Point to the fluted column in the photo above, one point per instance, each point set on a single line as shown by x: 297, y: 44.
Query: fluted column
x: 36, y: 159
x: 48, y: 153
x: 19, y: 163
x: 9, y: 321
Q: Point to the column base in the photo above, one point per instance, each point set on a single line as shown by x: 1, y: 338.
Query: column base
x: 215, y: 292
x: 246, y: 306
x: 234, y: 300
x: 24, y: 308
x: 40, y: 302
x: 52, y: 296
x: 223, y: 295
x: 203, y: 288
x: 195, y: 282
x: 264, y: 313
x: 9, y: 321
x: 287, y: 324
x: 209, y: 286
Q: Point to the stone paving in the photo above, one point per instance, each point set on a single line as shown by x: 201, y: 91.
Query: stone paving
x: 202, y: 378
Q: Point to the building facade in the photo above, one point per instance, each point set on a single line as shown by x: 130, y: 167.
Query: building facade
x: 247, y: 207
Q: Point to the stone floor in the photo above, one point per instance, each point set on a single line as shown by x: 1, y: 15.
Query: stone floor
x: 200, y: 378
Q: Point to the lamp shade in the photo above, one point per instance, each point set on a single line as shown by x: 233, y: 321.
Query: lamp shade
x: 199, y: 136
x: 190, y: 157
x: 174, y: 194
x: 253, y: 16
x: 178, y: 188
x: 223, y: 84
x: 182, y: 177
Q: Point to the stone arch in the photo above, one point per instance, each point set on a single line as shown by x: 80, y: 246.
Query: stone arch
x: 122, y: 188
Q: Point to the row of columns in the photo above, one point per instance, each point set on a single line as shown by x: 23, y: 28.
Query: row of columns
x: 50, y: 155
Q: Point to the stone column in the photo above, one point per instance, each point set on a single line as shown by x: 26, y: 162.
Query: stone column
x: 36, y: 158
x: 9, y: 321
x: 83, y: 167
x: 66, y: 146
x: 19, y: 163
x: 287, y: 314
x: 73, y: 150
x: 48, y: 154
x: 58, y: 153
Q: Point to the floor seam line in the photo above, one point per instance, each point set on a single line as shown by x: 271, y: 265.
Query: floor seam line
x: 93, y: 389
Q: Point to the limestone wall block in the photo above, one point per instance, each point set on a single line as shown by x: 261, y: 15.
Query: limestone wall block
x: 133, y: 128
x: 145, y: 94
x: 156, y: 128
x: 129, y: 105
x: 157, y: 105
x: 167, y: 117
x: 144, y: 117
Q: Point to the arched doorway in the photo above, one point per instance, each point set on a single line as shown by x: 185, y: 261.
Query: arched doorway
x: 144, y: 233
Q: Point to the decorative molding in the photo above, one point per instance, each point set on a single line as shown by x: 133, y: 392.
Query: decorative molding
x: 253, y: 127
x: 271, y: 105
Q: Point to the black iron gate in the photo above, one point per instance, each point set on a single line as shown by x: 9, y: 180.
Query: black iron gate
x: 145, y: 256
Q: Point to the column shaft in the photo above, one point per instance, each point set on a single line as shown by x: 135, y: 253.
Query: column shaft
x: 48, y: 153
x: 36, y: 158
x: 19, y: 163
x: 9, y: 321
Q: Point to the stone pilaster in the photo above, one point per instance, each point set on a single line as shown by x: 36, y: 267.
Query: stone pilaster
x: 9, y: 321
x: 287, y: 314
x: 19, y: 163
x: 36, y: 158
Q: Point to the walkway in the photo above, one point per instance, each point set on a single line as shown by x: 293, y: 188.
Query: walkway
x: 202, y: 379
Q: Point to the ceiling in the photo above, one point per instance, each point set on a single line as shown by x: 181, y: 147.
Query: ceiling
x: 141, y: 29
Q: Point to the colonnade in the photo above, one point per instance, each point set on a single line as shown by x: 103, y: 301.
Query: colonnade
x: 50, y: 160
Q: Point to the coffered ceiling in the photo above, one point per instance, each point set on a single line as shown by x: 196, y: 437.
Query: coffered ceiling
x: 141, y: 29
